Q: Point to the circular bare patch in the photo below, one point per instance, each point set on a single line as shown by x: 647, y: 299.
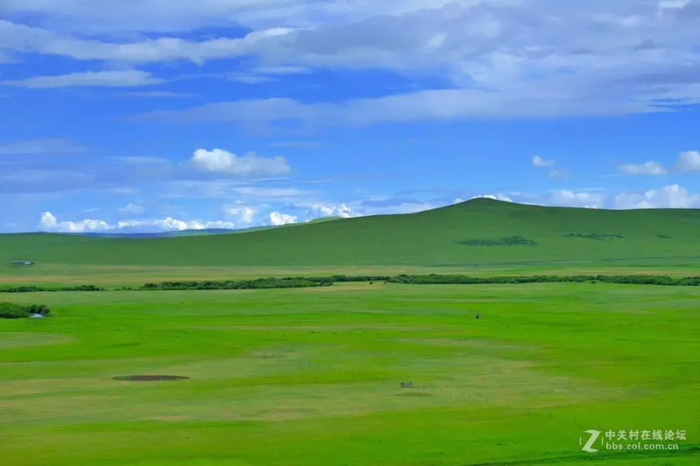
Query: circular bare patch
x: 149, y: 378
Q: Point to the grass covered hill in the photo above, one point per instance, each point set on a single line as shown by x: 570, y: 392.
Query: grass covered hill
x: 481, y: 231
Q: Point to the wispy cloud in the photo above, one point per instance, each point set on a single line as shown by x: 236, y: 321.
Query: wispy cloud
x: 40, y: 146
x: 648, y: 168
x: 130, y: 78
x: 688, y: 162
x: 540, y: 162
x: 158, y: 94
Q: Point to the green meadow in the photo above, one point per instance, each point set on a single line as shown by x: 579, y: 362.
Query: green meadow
x: 357, y: 373
x: 472, y: 235
x: 313, y: 376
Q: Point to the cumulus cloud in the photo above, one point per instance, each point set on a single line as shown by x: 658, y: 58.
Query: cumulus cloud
x: 249, y: 165
x: 689, y: 162
x: 570, y: 198
x: 50, y: 223
x: 673, y: 196
x: 539, y: 162
x: 128, y: 78
x: 341, y: 210
x: 280, y: 218
x: 648, y: 168
x: 245, y: 215
x: 495, y: 197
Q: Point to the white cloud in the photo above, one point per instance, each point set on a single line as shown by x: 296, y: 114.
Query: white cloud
x: 503, y: 57
x: 172, y: 224
x: 279, y: 218
x: 648, y: 168
x: 539, y: 162
x: 426, y: 105
x: 245, y: 215
x: 129, y: 78
x: 565, y: 197
x: 158, y: 94
x: 119, y: 16
x: 673, y: 196
x: 249, y: 165
x: 341, y: 210
x: 132, y: 209
x: 22, y: 38
x: 495, y: 197
x: 40, y: 146
x: 689, y: 162
x: 50, y: 223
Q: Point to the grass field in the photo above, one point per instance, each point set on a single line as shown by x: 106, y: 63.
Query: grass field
x: 451, y: 237
x: 312, y: 376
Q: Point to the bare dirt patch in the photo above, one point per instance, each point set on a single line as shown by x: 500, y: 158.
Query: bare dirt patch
x: 149, y: 378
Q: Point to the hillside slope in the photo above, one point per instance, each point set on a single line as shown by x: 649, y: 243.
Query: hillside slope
x: 467, y: 233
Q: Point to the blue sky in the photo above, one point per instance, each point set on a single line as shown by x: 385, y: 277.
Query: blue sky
x: 150, y: 115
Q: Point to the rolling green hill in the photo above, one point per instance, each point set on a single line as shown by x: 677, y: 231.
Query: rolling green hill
x: 480, y: 231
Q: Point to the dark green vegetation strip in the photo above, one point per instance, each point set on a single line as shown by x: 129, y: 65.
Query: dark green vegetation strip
x: 506, y: 241
x: 620, y: 279
x: 34, y: 288
x: 261, y: 283
x: 597, y: 236
x: 16, y: 311
x: 433, y: 279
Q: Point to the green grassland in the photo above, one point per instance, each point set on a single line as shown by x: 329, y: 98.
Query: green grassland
x: 479, y: 237
x: 464, y: 235
x: 312, y: 376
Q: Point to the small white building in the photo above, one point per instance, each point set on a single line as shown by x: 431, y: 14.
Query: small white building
x: 22, y: 263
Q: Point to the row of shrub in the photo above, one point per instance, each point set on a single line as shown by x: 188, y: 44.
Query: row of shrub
x: 16, y: 311
x: 35, y: 288
x: 435, y: 279
x: 360, y: 278
x: 262, y: 283
x: 595, y: 236
x: 506, y: 241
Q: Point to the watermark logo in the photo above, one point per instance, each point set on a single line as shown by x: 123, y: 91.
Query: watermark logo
x: 632, y: 439
x: 593, y: 436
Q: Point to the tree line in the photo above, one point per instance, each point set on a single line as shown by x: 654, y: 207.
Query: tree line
x: 261, y: 283
x: 435, y: 279
x: 432, y: 279
x: 35, y: 288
